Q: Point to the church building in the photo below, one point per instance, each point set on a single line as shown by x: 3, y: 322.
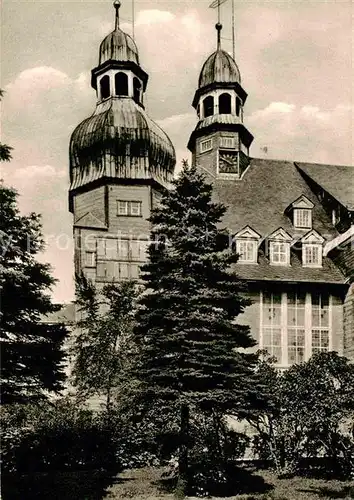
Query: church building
x: 291, y: 223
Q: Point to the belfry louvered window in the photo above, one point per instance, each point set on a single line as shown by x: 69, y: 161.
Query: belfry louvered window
x: 136, y: 89
x: 121, y: 82
x: 224, y: 104
x: 208, y: 106
x: 105, y: 87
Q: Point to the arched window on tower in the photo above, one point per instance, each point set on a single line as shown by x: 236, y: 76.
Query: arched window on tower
x: 225, y: 104
x: 121, y: 81
x: 137, y: 89
x: 208, y: 105
x: 105, y: 87
x: 238, y: 106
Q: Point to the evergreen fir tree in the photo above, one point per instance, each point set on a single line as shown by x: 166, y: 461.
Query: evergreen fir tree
x: 191, y: 349
x: 33, y: 359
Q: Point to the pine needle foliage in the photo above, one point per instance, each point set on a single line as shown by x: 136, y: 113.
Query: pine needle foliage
x: 33, y: 359
x: 191, y: 349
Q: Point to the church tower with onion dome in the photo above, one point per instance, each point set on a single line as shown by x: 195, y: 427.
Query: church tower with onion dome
x: 120, y: 162
x: 220, y: 142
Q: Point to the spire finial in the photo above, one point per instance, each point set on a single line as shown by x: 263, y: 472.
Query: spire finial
x: 117, y: 5
x: 218, y: 27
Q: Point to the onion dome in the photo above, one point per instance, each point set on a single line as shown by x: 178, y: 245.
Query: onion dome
x: 120, y: 141
x: 219, y: 68
x: 118, y: 46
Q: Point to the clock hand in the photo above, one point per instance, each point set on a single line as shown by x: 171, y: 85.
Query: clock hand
x: 227, y: 161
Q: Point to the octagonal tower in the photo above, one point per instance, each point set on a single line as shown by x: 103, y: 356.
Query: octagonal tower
x: 120, y: 162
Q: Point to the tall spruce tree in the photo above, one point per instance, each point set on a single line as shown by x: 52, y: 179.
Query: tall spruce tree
x: 192, y: 351
x: 32, y: 355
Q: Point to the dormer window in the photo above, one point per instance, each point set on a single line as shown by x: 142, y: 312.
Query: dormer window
x: 301, y: 212
x: 279, y: 248
x: 303, y: 218
x: 312, y: 249
x: 247, y: 241
x: 105, y: 87
x: 279, y: 253
x: 208, y: 106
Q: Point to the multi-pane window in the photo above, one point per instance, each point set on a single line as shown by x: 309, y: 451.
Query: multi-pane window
x: 302, y: 218
x: 123, y: 207
x: 206, y: 145
x: 271, y: 331
x: 135, y: 208
x: 123, y: 268
x: 320, y: 323
x: 132, y: 208
x: 247, y: 250
x: 90, y: 259
x: 312, y: 255
x: 107, y: 248
x: 227, y: 142
x: 279, y: 253
x: 123, y: 249
x: 120, y: 249
x: 296, y: 327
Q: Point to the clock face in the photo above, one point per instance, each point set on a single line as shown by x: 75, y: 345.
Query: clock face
x: 228, y: 163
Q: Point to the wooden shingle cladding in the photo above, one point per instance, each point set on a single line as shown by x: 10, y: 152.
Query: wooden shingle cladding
x: 120, y: 141
x: 219, y: 68
x: 337, y: 180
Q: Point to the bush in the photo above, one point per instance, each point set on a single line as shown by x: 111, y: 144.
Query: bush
x: 309, y: 414
x: 214, y: 447
x: 41, y: 444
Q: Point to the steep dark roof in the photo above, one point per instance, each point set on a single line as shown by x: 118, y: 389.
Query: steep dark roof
x: 329, y: 273
x: 337, y: 180
x: 259, y: 200
x: 261, y: 197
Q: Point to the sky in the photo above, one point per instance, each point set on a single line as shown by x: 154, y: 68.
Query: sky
x: 296, y: 59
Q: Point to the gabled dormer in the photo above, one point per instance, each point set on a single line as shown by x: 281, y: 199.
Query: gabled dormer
x: 247, y: 243
x: 300, y: 212
x: 279, y: 247
x: 312, y: 249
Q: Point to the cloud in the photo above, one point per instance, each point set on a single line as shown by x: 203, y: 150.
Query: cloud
x: 306, y: 133
x: 32, y: 83
x: 38, y: 172
x: 154, y: 16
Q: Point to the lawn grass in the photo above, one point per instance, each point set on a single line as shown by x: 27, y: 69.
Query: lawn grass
x: 143, y: 484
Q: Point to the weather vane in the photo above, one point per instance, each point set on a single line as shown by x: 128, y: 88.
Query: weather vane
x: 217, y: 3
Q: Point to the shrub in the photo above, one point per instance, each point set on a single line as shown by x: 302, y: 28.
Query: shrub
x: 309, y: 414
x: 52, y: 441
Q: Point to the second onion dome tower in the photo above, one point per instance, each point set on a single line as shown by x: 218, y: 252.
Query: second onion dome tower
x: 220, y: 142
